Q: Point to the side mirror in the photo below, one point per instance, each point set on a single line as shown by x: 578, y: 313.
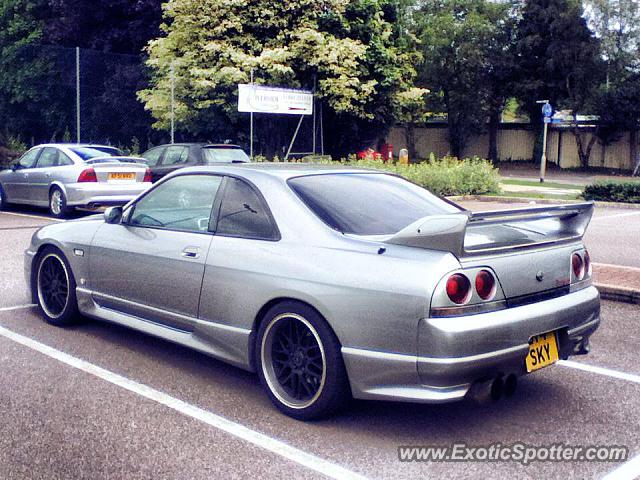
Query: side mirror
x: 15, y: 166
x: 113, y: 215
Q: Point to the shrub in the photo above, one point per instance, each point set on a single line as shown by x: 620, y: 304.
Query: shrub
x: 613, y: 192
x: 445, y: 176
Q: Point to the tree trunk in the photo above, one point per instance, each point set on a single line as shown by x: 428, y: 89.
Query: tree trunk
x: 584, y: 153
x: 410, y: 137
x: 494, y: 124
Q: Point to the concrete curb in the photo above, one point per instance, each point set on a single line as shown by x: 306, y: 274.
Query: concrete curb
x: 618, y: 294
x: 544, y: 201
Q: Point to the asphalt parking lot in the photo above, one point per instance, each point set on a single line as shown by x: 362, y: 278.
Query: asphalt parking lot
x: 101, y: 401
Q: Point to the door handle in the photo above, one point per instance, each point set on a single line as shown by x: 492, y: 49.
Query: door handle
x: 191, y: 252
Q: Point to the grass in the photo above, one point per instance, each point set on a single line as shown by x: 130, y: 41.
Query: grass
x: 533, y: 183
x: 536, y: 195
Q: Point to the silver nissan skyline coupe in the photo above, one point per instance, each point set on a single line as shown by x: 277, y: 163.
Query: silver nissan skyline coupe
x: 330, y: 282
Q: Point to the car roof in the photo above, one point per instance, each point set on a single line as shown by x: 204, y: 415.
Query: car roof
x: 197, y: 144
x: 279, y: 170
x: 69, y: 145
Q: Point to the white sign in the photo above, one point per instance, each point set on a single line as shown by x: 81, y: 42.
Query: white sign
x: 261, y: 99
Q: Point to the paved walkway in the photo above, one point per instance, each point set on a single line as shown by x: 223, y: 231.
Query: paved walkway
x: 553, y: 174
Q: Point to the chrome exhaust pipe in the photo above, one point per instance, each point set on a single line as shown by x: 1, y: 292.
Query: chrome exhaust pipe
x: 487, y: 391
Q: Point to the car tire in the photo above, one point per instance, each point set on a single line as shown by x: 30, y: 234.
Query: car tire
x: 300, y: 362
x: 55, y: 288
x: 58, y: 203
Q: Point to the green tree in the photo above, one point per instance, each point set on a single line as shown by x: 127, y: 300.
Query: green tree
x: 466, y: 50
x: 27, y: 105
x: 558, y: 60
x: 349, y: 50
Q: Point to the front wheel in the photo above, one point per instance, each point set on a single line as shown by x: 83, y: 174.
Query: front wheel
x: 56, y: 288
x: 58, y: 203
x: 300, y: 362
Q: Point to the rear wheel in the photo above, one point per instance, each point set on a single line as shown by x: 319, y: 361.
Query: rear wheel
x: 56, y: 288
x: 300, y: 362
x: 58, y: 203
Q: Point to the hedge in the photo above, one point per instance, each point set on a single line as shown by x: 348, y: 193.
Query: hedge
x: 445, y: 176
x: 628, y: 192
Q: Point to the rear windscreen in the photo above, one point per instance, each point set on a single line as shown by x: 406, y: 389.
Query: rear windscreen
x: 85, y: 153
x: 224, y: 155
x: 367, y: 203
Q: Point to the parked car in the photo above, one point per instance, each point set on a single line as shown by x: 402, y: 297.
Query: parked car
x: 165, y: 159
x: 65, y: 176
x: 330, y: 282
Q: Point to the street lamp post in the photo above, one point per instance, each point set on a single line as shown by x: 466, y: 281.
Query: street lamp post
x: 547, y: 111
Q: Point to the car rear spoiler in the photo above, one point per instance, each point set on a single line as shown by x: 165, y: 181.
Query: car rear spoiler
x: 115, y: 160
x: 553, y: 224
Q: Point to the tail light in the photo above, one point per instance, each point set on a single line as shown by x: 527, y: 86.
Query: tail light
x: 485, y: 285
x: 147, y: 175
x: 458, y: 288
x: 577, y: 264
x: 87, y: 175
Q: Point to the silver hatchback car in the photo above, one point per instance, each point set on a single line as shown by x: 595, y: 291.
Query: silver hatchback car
x: 64, y: 176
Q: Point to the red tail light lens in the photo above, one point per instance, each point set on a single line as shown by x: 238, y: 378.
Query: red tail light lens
x: 578, y: 266
x: 458, y: 288
x: 587, y: 263
x: 485, y: 285
x: 88, y: 175
x: 147, y: 176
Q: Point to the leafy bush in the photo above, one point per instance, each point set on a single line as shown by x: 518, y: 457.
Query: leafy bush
x: 445, y: 176
x: 613, y: 192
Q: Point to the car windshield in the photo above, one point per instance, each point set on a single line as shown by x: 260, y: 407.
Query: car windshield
x: 224, y: 155
x: 85, y: 153
x: 367, y: 203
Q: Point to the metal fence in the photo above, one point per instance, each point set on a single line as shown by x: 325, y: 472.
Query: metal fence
x: 89, y: 96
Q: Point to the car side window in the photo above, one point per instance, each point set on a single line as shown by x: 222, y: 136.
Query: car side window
x: 153, y: 156
x: 28, y: 160
x: 48, y: 158
x: 244, y: 214
x: 176, y: 155
x: 64, y: 160
x: 181, y: 203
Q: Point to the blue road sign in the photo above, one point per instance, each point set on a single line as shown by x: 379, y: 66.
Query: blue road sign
x: 547, y: 110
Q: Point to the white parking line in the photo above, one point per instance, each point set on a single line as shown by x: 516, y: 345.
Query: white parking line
x: 629, y: 377
x: 39, y: 217
x: 631, y: 469
x: 627, y: 471
x: 261, y: 440
x: 17, y: 307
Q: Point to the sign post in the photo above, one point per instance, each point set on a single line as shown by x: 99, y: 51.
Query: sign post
x: 547, y: 112
x: 254, y: 98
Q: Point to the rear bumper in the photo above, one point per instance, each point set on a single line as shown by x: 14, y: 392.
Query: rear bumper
x: 456, y: 352
x: 103, y: 194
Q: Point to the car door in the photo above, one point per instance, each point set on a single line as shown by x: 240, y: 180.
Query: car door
x: 175, y: 157
x: 244, y: 250
x: 41, y: 175
x: 151, y: 265
x: 153, y: 157
x: 16, y: 184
